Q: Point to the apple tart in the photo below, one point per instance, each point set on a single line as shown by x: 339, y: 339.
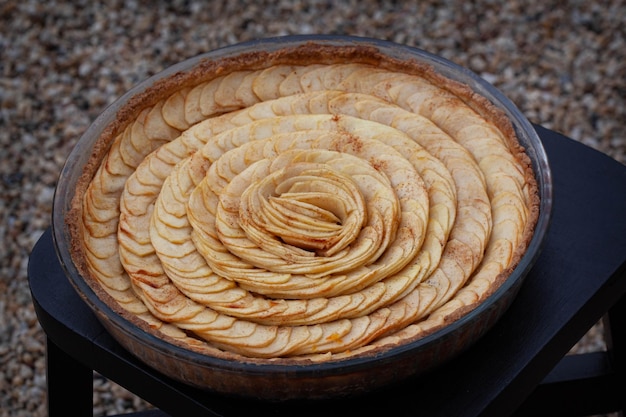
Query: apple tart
x: 308, y: 204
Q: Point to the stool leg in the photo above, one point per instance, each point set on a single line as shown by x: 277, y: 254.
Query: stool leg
x: 70, y: 384
x: 615, y: 336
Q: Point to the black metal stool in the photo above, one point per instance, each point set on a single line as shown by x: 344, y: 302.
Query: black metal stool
x: 517, y: 368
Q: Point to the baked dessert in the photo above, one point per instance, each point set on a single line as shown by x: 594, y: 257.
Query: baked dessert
x: 308, y: 204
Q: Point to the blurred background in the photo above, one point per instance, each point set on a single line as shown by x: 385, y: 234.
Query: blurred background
x: 563, y: 63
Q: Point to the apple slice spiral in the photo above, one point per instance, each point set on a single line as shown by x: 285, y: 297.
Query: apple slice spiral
x: 306, y: 211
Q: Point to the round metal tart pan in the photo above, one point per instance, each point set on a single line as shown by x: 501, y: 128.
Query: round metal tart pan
x: 281, y: 380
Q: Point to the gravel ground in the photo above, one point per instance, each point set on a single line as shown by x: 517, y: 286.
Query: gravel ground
x: 61, y: 63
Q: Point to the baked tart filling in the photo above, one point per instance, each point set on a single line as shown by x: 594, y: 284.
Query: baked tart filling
x: 308, y: 204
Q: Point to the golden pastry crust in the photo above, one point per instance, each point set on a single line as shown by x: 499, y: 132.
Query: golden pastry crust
x: 310, y: 204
